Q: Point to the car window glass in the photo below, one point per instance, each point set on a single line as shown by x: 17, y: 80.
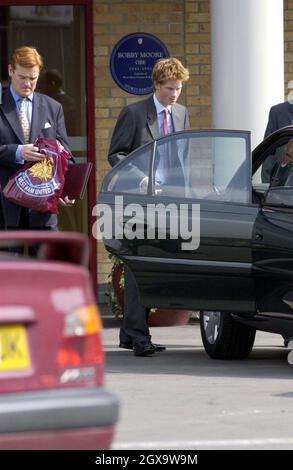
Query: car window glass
x: 132, y: 175
x: 171, y: 167
x: 276, y: 169
x: 203, y: 167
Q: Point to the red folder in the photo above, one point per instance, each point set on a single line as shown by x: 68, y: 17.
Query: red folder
x: 76, y: 180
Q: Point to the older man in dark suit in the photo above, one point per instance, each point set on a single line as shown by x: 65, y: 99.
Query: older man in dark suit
x: 24, y: 116
x: 138, y: 124
x: 280, y: 115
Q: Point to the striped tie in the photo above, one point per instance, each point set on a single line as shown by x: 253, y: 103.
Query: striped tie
x: 24, y: 122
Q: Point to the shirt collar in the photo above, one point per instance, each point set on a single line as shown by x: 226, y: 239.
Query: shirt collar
x: 16, y: 96
x: 159, y: 106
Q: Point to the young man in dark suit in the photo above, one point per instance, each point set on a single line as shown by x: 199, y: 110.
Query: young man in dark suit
x: 138, y: 124
x: 24, y: 116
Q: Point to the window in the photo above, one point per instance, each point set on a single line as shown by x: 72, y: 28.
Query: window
x: 132, y: 176
x: 210, y: 165
x: 277, y: 167
x: 203, y: 167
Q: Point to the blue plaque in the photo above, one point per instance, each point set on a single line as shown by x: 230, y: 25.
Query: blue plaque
x: 132, y: 61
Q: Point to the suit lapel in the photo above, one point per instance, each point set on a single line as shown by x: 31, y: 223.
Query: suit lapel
x: 152, y: 118
x: 38, y: 117
x: 10, y: 112
x: 178, y: 118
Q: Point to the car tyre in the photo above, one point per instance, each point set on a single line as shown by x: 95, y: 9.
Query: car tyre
x: 225, y: 338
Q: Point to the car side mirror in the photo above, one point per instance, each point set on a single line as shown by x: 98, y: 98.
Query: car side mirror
x: 280, y: 196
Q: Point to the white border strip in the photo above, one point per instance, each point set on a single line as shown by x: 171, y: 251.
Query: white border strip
x: 204, y: 444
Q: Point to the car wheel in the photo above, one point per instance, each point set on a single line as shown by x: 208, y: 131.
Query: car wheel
x: 225, y: 338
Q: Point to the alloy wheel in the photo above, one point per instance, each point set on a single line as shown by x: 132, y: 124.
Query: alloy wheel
x: 211, y: 323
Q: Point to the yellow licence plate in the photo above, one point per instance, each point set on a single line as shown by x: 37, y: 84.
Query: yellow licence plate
x: 14, y: 353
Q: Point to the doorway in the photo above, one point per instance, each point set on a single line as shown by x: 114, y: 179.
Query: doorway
x: 63, y: 36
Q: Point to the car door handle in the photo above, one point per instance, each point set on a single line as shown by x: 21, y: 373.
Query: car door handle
x: 139, y: 226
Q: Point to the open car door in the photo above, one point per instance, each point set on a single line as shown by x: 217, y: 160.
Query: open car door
x: 182, y: 218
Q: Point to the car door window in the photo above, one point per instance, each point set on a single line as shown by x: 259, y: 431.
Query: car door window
x: 212, y: 165
x: 132, y: 175
x: 171, y: 166
x: 203, y: 166
x: 276, y: 169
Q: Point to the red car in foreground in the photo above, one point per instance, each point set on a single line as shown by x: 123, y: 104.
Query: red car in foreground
x: 51, y: 357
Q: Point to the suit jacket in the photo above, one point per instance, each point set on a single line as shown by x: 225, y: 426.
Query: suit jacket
x: 45, y: 110
x: 280, y: 115
x: 137, y: 124
x: 281, y: 175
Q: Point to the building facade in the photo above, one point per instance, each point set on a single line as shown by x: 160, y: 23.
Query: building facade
x: 78, y: 41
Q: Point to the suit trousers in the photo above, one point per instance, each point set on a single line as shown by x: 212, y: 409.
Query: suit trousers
x: 24, y: 225
x: 135, y: 315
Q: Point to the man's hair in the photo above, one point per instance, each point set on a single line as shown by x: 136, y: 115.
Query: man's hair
x: 26, y: 56
x: 170, y: 69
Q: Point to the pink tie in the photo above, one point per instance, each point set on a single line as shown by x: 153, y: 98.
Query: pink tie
x: 165, y: 124
x: 165, y: 158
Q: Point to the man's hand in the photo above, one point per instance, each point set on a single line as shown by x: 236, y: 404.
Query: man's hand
x: 66, y: 201
x: 143, y: 186
x: 30, y: 153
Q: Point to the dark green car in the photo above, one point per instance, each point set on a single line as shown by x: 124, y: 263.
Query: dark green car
x: 199, y: 233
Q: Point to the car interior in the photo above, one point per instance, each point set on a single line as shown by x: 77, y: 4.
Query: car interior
x: 275, y: 171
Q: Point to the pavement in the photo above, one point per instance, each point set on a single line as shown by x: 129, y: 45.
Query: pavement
x: 182, y: 399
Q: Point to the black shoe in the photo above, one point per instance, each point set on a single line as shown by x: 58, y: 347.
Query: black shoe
x: 126, y: 345
x: 158, y: 347
x: 143, y: 349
